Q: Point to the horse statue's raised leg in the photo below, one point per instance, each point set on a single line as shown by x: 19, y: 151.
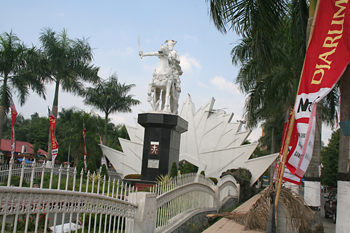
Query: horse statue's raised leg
x: 174, y: 99
x: 167, y: 96
x: 153, y: 100
x: 156, y: 98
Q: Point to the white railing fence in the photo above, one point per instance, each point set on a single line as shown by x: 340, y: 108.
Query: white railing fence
x: 87, y: 202
x: 177, y: 198
x: 67, y: 201
x: 16, y: 170
x: 228, y: 186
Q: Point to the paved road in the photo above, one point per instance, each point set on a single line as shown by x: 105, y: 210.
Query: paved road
x: 329, y: 226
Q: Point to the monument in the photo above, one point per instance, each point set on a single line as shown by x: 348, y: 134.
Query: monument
x: 210, y: 140
x: 163, y: 127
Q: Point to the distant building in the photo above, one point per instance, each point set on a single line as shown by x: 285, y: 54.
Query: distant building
x: 23, y: 149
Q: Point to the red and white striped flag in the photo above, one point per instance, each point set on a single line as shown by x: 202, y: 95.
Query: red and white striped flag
x: 327, y: 57
x: 85, y: 152
x: 54, y: 144
x: 287, y: 175
x: 13, y: 119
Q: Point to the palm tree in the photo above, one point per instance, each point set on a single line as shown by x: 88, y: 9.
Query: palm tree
x: 271, y: 59
x: 269, y: 77
x: 18, y: 68
x: 70, y: 131
x: 110, y: 96
x: 67, y: 64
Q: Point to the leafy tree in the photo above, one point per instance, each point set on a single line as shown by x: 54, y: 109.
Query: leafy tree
x: 38, y: 128
x: 330, y: 157
x: 186, y: 167
x: 80, y: 167
x: 67, y: 64
x: 173, y: 170
x: 32, y: 130
x: 271, y: 53
x: 18, y: 69
x: 110, y: 96
x: 115, y: 132
x: 70, y: 131
x: 91, y: 165
x: 69, y: 134
x: 104, y: 171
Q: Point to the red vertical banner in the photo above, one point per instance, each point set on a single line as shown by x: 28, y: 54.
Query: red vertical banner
x: 327, y: 57
x: 287, y: 175
x: 13, y: 119
x: 85, y: 153
x: 54, y: 144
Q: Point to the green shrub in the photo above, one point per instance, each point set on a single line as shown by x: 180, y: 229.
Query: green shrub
x: 173, y: 171
x: 186, y: 167
x: 80, y: 167
x: 242, y: 177
x: 133, y: 176
x: 91, y: 166
x: 214, y: 180
x: 104, y: 171
x: 15, y: 181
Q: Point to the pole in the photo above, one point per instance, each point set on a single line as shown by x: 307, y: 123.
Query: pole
x: 284, y: 158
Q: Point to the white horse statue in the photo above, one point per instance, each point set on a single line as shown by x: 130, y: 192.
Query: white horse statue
x: 166, y: 81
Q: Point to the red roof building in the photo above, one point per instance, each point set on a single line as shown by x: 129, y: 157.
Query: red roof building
x: 23, y: 149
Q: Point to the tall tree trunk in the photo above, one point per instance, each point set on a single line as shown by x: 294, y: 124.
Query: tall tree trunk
x: 2, y: 120
x: 312, y: 179
x: 2, y: 107
x: 312, y: 173
x: 104, y: 140
x: 55, y: 100
x: 343, y: 217
x: 343, y: 167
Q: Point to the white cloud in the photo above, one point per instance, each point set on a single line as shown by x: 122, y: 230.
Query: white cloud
x: 61, y: 15
x: 225, y: 85
x: 188, y: 63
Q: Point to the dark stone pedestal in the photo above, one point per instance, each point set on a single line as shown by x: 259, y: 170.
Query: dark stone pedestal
x: 161, y: 144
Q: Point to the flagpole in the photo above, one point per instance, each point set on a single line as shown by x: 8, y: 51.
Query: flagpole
x: 292, y: 121
x: 284, y: 158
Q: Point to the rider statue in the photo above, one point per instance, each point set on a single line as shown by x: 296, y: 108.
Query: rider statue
x: 166, y: 80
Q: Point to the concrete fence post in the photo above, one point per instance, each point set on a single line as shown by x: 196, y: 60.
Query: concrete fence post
x: 146, y: 214
x: 216, y: 202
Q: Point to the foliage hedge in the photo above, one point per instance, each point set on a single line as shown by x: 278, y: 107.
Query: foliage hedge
x: 214, y: 180
x: 242, y: 177
x: 133, y: 176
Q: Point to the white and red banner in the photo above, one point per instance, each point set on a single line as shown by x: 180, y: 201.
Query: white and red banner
x: 287, y: 175
x: 54, y: 144
x: 85, y: 152
x: 327, y: 57
x: 13, y: 119
x: 103, y: 158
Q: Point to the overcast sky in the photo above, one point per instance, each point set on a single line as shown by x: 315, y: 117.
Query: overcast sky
x: 113, y: 28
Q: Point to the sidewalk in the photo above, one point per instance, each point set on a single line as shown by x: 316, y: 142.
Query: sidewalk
x: 227, y: 225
